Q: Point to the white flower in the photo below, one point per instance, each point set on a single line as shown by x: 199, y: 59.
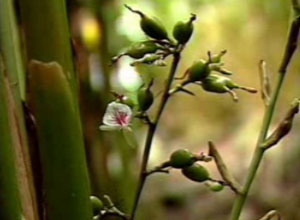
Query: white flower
x: 117, y: 116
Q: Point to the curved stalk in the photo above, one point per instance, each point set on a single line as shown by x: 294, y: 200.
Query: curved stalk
x: 259, y: 151
x: 151, y: 132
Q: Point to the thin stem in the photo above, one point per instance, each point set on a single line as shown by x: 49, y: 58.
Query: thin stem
x: 151, y: 132
x: 259, y: 151
x: 258, y: 154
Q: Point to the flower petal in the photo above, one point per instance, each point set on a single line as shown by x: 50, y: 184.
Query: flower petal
x: 113, y: 111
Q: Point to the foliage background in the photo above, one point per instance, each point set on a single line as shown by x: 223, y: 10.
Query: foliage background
x: 250, y: 30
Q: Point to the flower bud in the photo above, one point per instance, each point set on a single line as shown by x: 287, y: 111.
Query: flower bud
x: 182, y: 31
x: 196, y: 172
x: 181, y: 158
x: 145, y: 98
x: 198, y: 71
x: 151, y: 27
x: 97, y: 205
x: 140, y: 49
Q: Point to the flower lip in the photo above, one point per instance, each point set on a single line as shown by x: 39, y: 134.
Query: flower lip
x: 122, y: 118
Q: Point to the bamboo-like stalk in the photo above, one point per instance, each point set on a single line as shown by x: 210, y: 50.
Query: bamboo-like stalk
x: 259, y: 151
x: 47, y: 36
x: 10, y: 45
x: 10, y: 208
x: 15, y: 92
x: 54, y: 100
x: 64, y: 170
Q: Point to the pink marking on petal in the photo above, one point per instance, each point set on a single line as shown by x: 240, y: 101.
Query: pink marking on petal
x: 122, y: 118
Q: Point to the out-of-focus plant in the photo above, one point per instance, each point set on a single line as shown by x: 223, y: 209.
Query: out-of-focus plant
x: 59, y: 188
x: 205, y: 73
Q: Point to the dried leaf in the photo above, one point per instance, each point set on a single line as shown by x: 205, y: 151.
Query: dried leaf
x: 270, y: 215
x: 264, y: 83
x: 226, y: 175
x: 284, y: 127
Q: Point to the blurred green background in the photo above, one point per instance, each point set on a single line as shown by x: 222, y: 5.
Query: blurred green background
x: 250, y: 31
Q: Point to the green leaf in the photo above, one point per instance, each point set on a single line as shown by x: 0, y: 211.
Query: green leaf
x: 65, y: 176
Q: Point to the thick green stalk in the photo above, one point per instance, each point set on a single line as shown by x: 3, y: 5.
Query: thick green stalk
x: 151, y: 132
x: 259, y: 151
x: 54, y: 100
x: 14, y: 73
x: 10, y: 208
x: 10, y: 44
x: 64, y: 170
x: 47, y: 36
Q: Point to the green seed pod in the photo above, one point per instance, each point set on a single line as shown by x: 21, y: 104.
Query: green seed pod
x: 145, y: 99
x: 151, y: 26
x: 183, y: 31
x: 97, y: 205
x: 216, y: 83
x: 198, y: 71
x: 215, y: 187
x: 140, y: 49
x: 196, y: 172
x: 181, y: 158
x: 222, y: 84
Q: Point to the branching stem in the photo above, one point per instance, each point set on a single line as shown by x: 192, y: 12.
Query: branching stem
x: 151, y: 132
x: 259, y: 151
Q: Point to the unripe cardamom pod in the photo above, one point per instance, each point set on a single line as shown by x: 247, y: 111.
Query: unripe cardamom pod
x: 181, y: 158
x: 183, y: 31
x: 217, y: 84
x: 198, y: 71
x: 196, y: 172
x: 145, y: 99
x: 222, y: 84
x: 140, y: 49
x: 151, y: 26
